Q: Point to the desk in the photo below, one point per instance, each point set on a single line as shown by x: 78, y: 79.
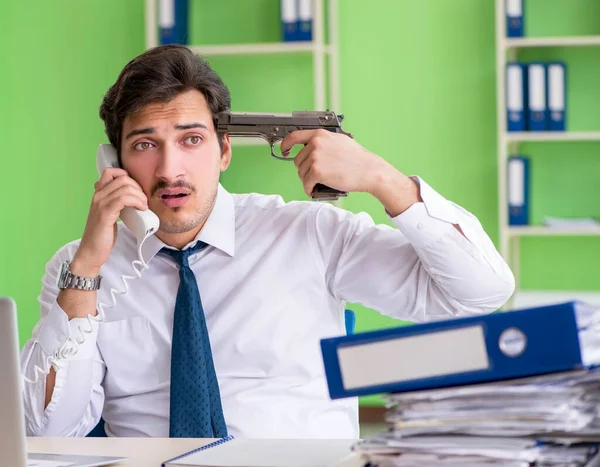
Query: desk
x: 141, y: 452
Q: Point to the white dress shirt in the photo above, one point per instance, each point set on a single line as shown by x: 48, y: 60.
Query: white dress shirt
x: 274, y: 281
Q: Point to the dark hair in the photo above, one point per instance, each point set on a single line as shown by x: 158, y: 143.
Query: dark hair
x: 159, y: 75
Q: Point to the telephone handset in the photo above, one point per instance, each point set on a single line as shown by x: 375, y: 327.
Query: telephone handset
x: 142, y: 224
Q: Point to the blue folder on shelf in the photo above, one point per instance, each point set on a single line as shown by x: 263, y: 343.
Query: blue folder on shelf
x: 557, y: 80
x: 518, y: 190
x: 493, y: 347
x: 537, y: 111
x: 289, y: 20
x: 305, y: 20
x: 514, y: 18
x: 173, y: 21
x: 516, y: 96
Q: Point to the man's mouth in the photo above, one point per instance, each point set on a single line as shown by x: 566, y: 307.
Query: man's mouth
x: 173, y: 197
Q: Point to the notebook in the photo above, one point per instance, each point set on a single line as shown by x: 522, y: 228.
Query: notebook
x: 229, y: 452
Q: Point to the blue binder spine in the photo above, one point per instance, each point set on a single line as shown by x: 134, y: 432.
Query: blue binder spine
x: 557, y: 90
x: 455, y: 352
x: 305, y: 20
x: 518, y: 190
x: 537, y: 83
x: 289, y: 20
x: 173, y: 21
x: 166, y: 21
x: 514, y: 18
x: 516, y: 96
x: 181, y: 21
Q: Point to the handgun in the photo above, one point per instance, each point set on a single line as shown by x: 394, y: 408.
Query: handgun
x: 274, y: 127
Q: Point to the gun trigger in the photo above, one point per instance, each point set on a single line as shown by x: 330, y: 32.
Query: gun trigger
x: 279, y: 157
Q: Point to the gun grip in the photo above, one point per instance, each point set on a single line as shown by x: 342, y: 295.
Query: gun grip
x: 324, y: 193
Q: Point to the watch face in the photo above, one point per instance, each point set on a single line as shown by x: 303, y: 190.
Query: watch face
x: 61, y: 275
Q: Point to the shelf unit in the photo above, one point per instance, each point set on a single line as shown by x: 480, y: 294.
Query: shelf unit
x: 325, y: 79
x: 508, y: 142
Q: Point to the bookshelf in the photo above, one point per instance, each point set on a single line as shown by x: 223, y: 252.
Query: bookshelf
x: 508, y: 143
x: 325, y: 54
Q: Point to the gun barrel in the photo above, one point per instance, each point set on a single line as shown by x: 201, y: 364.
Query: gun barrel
x: 300, y: 119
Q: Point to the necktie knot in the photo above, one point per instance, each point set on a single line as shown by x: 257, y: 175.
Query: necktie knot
x: 181, y: 256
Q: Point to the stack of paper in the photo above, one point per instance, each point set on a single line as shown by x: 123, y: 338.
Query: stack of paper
x: 571, y: 222
x: 552, y: 420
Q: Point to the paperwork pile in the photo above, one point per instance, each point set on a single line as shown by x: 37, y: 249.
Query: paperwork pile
x: 549, y: 420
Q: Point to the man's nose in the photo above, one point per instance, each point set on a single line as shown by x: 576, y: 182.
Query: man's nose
x: 170, y: 166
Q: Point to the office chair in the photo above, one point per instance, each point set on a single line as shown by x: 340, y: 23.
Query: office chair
x: 350, y: 318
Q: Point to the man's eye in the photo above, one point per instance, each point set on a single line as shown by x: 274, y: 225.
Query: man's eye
x: 142, y: 146
x: 193, y: 140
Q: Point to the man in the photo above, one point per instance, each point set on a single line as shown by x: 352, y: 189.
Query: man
x: 220, y: 335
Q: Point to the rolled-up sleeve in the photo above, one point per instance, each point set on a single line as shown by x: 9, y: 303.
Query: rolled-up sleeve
x: 423, y: 270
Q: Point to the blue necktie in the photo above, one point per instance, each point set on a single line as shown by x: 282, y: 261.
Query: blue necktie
x: 196, y: 410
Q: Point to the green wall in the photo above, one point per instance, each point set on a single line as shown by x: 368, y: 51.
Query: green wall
x: 417, y: 87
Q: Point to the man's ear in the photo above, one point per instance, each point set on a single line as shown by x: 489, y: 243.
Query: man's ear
x: 226, y: 152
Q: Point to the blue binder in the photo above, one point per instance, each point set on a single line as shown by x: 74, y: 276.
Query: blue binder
x: 305, y: 20
x: 289, y: 20
x: 514, y: 18
x: 173, y: 21
x: 518, y: 190
x: 493, y: 347
x: 537, y: 84
x: 557, y: 90
x: 516, y: 96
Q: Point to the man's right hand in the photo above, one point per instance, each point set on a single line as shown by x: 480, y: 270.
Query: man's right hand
x: 114, y: 191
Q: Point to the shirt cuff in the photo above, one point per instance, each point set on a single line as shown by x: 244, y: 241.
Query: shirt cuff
x: 425, y: 223
x: 56, y: 329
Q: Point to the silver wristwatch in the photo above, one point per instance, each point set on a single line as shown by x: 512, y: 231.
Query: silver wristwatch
x: 68, y: 280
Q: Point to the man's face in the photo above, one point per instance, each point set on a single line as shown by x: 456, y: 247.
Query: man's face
x: 171, y: 150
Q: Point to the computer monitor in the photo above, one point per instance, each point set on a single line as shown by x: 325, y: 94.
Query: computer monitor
x: 12, y: 428
x: 13, y: 451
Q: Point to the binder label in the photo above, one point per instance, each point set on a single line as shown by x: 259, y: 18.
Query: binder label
x: 389, y: 361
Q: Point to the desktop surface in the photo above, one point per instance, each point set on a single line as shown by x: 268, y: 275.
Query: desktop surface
x: 140, y: 452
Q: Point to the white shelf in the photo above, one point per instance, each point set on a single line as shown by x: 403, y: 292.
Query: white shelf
x: 532, y: 298
x: 258, y: 49
x: 528, y: 136
x: 542, y: 231
x: 576, y: 41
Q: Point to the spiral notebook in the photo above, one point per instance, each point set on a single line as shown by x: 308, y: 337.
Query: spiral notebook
x: 229, y: 452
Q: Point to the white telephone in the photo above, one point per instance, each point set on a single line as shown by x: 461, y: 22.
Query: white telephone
x: 142, y: 224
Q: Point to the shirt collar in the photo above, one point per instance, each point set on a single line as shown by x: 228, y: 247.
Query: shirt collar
x: 218, y: 230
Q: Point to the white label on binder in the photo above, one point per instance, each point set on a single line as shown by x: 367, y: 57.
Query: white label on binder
x: 289, y: 12
x: 305, y: 10
x: 514, y: 7
x: 166, y: 14
x: 556, y: 87
x: 516, y: 182
x: 537, y: 88
x: 413, y: 357
x: 515, y: 88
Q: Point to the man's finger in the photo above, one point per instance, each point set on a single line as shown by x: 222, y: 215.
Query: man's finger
x: 296, y: 137
x: 302, y: 155
x: 303, y: 164
x: 109, y: 174
x: 309, y: 181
